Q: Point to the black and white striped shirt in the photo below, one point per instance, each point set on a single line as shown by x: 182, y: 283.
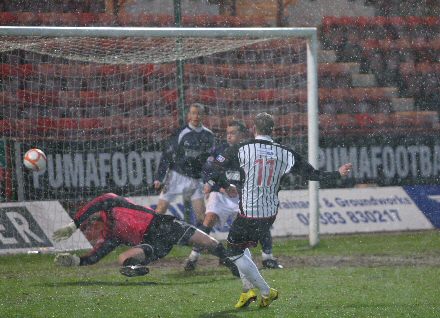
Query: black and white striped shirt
x: 262, y: 163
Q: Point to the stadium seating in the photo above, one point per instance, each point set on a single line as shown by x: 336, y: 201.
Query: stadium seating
x: 125, y: 19
x: 150, y: 128
x: 345, y: 105
x: 401, y: 51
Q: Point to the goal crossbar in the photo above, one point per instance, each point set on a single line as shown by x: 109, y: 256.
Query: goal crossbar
x: 115, y: 32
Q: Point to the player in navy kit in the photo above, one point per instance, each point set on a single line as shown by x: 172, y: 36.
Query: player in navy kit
x: 181, y: 164
x: 219, y: 206
x: 152, y: 235
x: 262, y: 163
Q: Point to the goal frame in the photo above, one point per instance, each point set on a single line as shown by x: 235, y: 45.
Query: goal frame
x: 309, y: 33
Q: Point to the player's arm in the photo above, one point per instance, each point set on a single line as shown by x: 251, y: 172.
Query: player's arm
x: 220, y: 164
x: 208, y: 170
x: 305, y: 169
x: 206, y: 151
x: 101, y: 249
x: 166, y: 160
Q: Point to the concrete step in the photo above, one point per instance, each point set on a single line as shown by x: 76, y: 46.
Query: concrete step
x: 402, y: 104
x: 363, y: 80
x: 310, y: 13
x: 354, y: 67
x: 326, y: 56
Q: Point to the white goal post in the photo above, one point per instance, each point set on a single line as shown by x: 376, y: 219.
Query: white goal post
x: 309, y: 34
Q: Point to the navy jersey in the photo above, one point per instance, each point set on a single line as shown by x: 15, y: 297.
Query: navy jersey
x: 186, y: 153
x: 232, y: 175
x: 262, y: 163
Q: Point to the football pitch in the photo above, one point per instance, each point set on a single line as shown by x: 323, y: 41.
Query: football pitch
x: 374, y: 275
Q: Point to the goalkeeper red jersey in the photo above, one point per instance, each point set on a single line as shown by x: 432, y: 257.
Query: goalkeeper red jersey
x: 124, y: 223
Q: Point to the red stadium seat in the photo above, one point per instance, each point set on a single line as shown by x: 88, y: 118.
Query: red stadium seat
x: 144, y: 20
x: 157, y: 127
x: 346, y: 122
x: 26, y: 70
x: 248, y: 120
x: 407, y: 69
x: 87, y: 19
x: 364, y: 120
x: 6, y: 70
x: 334, y: 69
x: 30, y: 98
x: 88, y: 98
x: 327, y: 123
x: 216, y: 123
x: 105, y: 19
x: 8, y: 98
x: 124, y: 19
x: 8, y: 18
x: 107, y: 70
x: 147, y: 20
x: 427, y: 68
x: 27, y: 18
x: 196, y: 21
x: 382, y: 120
x: 286, y: 124
x: 52, y: 18
x: 163, y: 20
x: 169, y: 96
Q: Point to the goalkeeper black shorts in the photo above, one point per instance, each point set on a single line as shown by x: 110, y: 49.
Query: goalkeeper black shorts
x: 167, y: 231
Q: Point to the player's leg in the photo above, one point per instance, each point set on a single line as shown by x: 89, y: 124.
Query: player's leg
x: 194, y: 192
x: 220, y: 207
x: 244, y: 233
x: 248, y: 294
x: 198, y: 205
x: 173, y: 186
x: 203, y: 241
x: 249, y: 272
x: 210, y: 220
x: 162, y: 206
x: 269, y: 261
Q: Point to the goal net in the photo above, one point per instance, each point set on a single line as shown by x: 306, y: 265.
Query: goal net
x: 102, y: 105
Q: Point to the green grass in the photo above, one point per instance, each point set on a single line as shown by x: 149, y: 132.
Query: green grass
x: 31, y: 286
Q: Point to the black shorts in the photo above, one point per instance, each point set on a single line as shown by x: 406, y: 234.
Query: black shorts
x: 246, y: 232
x: 165, y: 232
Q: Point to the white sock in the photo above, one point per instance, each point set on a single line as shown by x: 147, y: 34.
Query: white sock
x: 247, y: 252
x: 266, y: 256
x: 194, y: 256
x: 251, y: 273
x: 247, y: 285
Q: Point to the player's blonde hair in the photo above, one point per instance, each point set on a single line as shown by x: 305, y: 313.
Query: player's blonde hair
x: 264, y: 123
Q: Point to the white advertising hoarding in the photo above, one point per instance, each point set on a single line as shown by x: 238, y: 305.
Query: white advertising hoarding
x: 28, y: 226
x: 353, y: 210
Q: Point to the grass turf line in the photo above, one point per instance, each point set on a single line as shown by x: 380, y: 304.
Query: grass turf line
x: 31, y: 286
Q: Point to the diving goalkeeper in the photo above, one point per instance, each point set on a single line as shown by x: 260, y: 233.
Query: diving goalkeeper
x: 152, y: 235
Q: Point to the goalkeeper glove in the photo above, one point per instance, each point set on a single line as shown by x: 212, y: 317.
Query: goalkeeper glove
x: 66, y: 259
x: 64, y: 233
